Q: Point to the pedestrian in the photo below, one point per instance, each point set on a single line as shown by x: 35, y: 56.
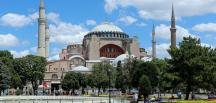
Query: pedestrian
x: 135, y: 97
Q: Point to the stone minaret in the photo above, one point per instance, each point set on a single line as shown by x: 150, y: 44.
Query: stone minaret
x: 47, y: 40
x: 153, y: 43
x: 41, y: 30
x: 173, y: 29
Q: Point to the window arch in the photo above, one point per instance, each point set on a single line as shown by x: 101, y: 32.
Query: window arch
x: 54, y: 76
x: 111, y: 51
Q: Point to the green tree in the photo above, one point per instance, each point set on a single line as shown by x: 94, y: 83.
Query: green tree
x: 31, y: 69
x: 130, y: 72
x: 150, y: 70
x: 6, y: 54
x: 71, y: 82
x: 82, y: 78
x: 165, y: 77
x: 9, y: 77
x: 4, y: 77
x: 121, y: 78
x: 192, y: 63
x: 101, y: 75
x: 144, y: 87
x: 90, y: 80
x: 21, y: 70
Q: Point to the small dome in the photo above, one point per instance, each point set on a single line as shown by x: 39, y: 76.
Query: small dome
x: 106, y: 27
x: 81, y: 69
x: 146, y: 59
x: 76, y: 56
x: 122, y: 58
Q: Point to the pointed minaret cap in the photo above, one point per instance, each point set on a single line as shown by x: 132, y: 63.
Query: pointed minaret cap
x: 153, y: 29
x: 42, y: 3
x: 173, y: 13
x: 173, y: 22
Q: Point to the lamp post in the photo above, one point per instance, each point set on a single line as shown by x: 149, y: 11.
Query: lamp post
x: 43, y: 87
x: 109, y: 72
x: 109, y: 77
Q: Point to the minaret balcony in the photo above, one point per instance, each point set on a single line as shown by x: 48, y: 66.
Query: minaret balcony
x: 42, y: 20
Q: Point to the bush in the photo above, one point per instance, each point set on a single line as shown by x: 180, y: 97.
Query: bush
x: 19, y: 92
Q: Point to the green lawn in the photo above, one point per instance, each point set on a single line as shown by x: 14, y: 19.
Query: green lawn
x: 193, y: 101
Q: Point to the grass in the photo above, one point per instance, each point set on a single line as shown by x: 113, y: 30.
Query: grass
x: 193, y: 101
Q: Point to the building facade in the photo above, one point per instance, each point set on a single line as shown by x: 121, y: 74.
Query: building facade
x: 104, y: 42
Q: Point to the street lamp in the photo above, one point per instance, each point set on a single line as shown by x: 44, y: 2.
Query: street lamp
x: 109, y: 72
x: 109, y: 76
x: 43, y: 86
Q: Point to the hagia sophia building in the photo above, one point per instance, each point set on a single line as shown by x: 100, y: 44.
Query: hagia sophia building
x: 105, y: 42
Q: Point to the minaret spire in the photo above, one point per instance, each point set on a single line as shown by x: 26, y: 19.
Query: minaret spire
x: 173, y: 29
x: 173, y: 17
x: 41, y: 30
x: 153, y: 42
x: 47, y: 37
x: 42, y: 4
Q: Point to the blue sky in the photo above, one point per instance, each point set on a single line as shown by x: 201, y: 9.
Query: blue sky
x: 70, y: 20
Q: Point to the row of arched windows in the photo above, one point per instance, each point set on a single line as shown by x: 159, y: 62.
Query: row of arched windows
x: 112, y: 35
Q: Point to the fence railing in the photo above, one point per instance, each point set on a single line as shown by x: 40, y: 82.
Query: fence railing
x: 58, y: 99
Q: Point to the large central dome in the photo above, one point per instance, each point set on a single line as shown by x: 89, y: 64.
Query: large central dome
x: 106, y: 27
x: 107, y: 30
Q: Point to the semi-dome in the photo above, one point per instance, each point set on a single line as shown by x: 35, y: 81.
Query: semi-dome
x: 81, y: 69
x: 122, y: 58
x: 146, y: 59
x: 106, y: 27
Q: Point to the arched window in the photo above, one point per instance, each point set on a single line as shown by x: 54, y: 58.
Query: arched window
x: 111, y: 51
x: 54, y: 76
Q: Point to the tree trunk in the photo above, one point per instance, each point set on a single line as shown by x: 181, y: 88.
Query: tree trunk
x: 98, y: 92
x: 188, y: 89
x: 83, y: 91
x: 139, y: 96
x: 144, y: 99
x: 34, y: 87
x: 73, y: 91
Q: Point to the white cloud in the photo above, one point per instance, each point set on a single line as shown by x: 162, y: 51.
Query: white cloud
x: 141, y: 24
x: 33, y: 49
x: 209, y: 27
x: 161, y: 50
x: 91, y: 22
x: 54, y: 54
x: 8, y: 40
x: 53, y: 17
x: 20, y: 54
x: 163, y: 32
x: 17, y: 20
x: 110, y: 5
x: 128, y: 20
x: 161, y: 9
x: 207, y: 45
x: 55, y: 51
x: 65, y: 33
x: 54, y: 57
x: 25, y: 42
x: 210, y: 36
